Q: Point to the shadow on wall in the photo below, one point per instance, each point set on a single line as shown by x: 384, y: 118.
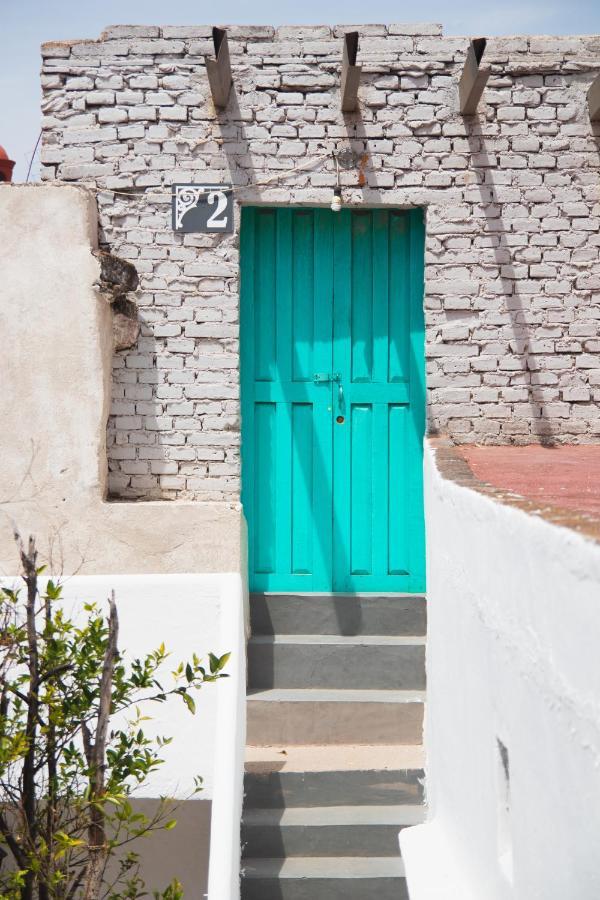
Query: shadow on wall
x: 134, y: 449
x: 164, y: 386
x: 181, y: 852
x: 522, y: 364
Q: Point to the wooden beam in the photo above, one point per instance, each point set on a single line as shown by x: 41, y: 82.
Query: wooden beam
x: 474, y: 78
x: 219, y: 69
x: 593, y: 99
x: 350, y: 72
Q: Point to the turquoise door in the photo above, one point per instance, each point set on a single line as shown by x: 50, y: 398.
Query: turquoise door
x: 333, y: 402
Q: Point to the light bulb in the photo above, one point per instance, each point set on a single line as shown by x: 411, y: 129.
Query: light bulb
x: 336, y: 200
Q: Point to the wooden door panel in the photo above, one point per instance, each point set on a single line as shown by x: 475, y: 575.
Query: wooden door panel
x: 377, y: 351
x: 286, y: 415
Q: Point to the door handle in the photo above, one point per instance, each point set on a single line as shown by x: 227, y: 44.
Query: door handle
x: 338, y: 380
x: 329, y: 378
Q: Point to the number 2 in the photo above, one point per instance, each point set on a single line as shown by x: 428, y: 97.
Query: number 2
x: 221, y: 200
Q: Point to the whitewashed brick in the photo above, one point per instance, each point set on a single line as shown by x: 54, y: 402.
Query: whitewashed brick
x: 99, y: 98
x: 513, y: 208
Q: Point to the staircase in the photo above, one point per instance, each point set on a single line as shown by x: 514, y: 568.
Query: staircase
x: 334, y: 756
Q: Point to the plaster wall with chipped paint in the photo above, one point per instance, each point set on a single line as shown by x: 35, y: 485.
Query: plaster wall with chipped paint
x: 55, y: 369
x: 56, y: 381
x: 512, y: 203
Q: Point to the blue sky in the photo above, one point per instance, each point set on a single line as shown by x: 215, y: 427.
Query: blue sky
x: 25, y: 24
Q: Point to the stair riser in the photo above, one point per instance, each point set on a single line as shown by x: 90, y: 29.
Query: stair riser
x: 278, y: 790
x: 272, y: 841
x: 338, y: 614
x: 330, y: 722
x: 381, y: 666
x: 324, y: 889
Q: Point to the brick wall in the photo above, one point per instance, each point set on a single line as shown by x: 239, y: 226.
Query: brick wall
x: 512, y: 198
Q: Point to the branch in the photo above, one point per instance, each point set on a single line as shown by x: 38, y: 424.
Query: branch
x: 29, y: 563
x: 52, y: 763
x: 110, y: 657
x: 25, y: 699
x: 58, y: 670
x: 11, y: 843
x: 3, y: 708
x: 97, y: 845
x: 87, y: 743
x: 75, y: 886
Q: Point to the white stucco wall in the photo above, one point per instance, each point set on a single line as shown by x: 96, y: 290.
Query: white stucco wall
x: 514, y: 632
x: 190, y: 614
x: 184, y: 611
x: 228, y: 769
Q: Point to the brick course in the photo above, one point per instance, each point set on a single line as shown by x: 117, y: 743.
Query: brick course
x: 512, y: 198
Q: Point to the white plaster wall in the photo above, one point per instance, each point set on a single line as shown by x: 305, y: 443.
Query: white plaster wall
x: 228, y: 787
x: 191, y: 614
x: 514, y: 632
x: 183, y: 611
x: 55, y: 377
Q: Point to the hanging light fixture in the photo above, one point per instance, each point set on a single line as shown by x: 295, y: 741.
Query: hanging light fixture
x: 344, y: 159
x: 336, y: 200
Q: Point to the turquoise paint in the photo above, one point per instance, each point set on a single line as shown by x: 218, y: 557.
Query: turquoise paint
x: 333, y: 507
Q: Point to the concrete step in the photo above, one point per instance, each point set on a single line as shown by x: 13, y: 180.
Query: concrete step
x: 338, y: 878
x: 354, y: 614
x: 289, y: 716
x: 287, y: 777
x: 334, y: 661
x: 326, y: 831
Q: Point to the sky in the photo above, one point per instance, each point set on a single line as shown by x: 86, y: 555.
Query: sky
x: 25, y: 24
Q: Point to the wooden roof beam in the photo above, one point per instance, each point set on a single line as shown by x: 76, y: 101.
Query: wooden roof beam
x: 350, y: 72
x: 219, y: 69
x: 593, y: 99
x: 474, y: 78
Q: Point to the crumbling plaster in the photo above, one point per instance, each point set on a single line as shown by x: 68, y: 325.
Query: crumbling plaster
x: 55, y: 372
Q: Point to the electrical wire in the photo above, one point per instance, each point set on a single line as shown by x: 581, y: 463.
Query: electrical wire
x: 156, y: 194
x: 37, y: 143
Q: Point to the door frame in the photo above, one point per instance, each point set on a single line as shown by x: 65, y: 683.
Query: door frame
x: 417, y: 393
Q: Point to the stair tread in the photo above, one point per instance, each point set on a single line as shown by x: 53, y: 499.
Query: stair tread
x: 341, y: 639
x: 325, y: 867
x: 367, y: 595
x: 337, y: 758
x: 323, y: 816
x: 328, y: 695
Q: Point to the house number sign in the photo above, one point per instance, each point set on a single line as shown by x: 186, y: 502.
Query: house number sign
x: 202, y: 208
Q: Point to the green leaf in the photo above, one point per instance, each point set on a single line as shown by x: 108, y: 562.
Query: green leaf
x: 189, y: 702
x: 53, y: 591
x: 170, y: 825
x: 217, y: 662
